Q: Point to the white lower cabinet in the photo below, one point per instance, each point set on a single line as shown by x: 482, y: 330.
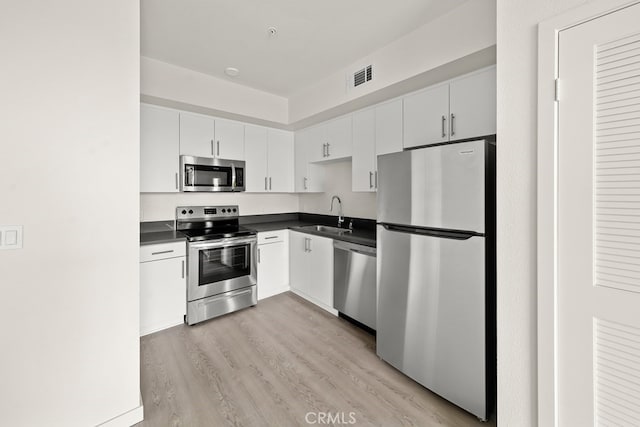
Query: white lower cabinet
x: 311, y: 268
x: 273, y: 263
x: 163, y: 289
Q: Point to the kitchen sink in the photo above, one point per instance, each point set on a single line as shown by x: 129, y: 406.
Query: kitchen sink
x: 328, y: 229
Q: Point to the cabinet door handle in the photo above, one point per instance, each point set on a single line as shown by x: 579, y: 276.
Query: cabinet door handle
x: 269, y: 183
x: 305, y: 182
x: 258, y: 255
x: 183, y: 269
x: 375, y: 180
x: 324, y: 150
x: 370, y: 179
x: 328, y: 146
x: 444, y: 121
x: 309, y: 245
x: 265, y: 183
x: 212, y: 153
x: 453, y: 129
x: 218, y: 148
x: 176, y: 180
x: 161, y: 252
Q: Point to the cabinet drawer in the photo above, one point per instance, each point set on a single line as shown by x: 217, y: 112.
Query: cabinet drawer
x: 162, y: 251
x: 272, y: 236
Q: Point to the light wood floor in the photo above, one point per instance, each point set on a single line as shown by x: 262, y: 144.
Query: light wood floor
x: 271, y: 365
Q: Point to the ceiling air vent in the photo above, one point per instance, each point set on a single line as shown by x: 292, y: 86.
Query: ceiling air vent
x: 362, y: 76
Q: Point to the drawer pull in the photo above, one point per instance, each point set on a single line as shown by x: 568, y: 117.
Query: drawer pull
x: 161, y: 252
x: 271, y: 237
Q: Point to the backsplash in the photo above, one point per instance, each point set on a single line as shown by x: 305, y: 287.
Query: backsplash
x: 338, y: 182
x: 162, y: 206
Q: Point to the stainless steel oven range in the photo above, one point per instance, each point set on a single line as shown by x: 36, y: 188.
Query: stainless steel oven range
x: 221, y: 261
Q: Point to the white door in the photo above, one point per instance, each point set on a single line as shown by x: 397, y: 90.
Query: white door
x: 598, y: 370
x: 472, y: 105
x: 339, y: 138
x: 320, y: 270
x: 197, y: 135
x: 364, y: 151
x: 229, y: 140
x: 280, y: 161
x: 159, y: 150
x: 389, y: 127
x: 299, y: 274
x: 255, y: 142
x: 426, y: 117
x: 273, y: 269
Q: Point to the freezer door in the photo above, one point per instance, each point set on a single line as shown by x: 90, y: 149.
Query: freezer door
x: 437, y: 187
x: 431, y: 313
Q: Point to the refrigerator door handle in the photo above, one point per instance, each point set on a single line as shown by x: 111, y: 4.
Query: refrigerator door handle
x: 434, y: 232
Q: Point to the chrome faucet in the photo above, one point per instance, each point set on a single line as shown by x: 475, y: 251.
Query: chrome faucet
x: 340, y: 217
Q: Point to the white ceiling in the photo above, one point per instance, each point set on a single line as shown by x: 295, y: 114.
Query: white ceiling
x: 315, y: 37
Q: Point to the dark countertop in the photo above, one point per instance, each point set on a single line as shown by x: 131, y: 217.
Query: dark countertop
x: 364, y: 231
x: 151, y: 238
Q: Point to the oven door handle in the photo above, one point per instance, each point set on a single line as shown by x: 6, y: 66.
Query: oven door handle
x: 231, y: 241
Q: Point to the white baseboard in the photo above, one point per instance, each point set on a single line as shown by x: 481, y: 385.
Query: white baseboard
x: 315, y: 301
x: 273, y: 291
x: 127, y: 419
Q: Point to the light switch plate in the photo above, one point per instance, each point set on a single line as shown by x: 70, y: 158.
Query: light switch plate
x: 10, y: 237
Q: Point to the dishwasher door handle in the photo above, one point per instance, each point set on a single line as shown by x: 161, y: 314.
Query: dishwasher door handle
x: 352, y: 247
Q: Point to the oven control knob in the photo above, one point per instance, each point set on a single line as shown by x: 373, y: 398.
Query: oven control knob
x: 190, y: 211
x: 184, y: 212
x: 224, y: 210
x: 234, y: 209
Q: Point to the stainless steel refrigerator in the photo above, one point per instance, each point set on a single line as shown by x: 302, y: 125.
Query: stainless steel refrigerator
x: 436, y: 269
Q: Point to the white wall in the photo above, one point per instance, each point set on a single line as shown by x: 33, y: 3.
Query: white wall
x: 465, y: 30
x: 516, y: 206
x: 338, y: 182
x: 166, y: 81
x: 69, y: 173
x: 162, y: 206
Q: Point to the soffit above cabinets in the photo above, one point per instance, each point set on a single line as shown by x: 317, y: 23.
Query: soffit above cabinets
x: 313, y: 40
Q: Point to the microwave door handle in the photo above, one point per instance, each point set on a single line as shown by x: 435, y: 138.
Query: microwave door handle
x: 190, y: 176
x: 233, y: 176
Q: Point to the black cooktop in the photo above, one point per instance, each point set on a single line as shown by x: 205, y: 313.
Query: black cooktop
x: 216, y: 233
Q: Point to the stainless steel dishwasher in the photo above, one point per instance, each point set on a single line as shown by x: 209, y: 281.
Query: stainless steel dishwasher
x: 354, y: 282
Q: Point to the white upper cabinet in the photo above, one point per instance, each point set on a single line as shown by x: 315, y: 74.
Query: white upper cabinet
x: 389, y: 127
x: 376, y: 131
x: 364, y: 150
x: 269, y: 160
x: 473, y: 105
x: 330, y: 140
x: 159, y: 149
x: 229, y: 140
x: 255, y: 146
x: 426, y: 117
x: 463, y: 108
x: 339, y: 138
x: 197, y: 135
x: 308, y: 177
x: 280, y: 160
x: 205, y: 136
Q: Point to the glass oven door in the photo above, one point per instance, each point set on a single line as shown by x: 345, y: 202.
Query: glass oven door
x: 220, y: 266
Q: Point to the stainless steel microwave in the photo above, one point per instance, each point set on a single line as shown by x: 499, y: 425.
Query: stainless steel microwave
x: 209, y: 174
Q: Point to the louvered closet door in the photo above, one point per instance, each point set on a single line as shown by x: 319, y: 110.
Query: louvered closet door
x: 599, y: 222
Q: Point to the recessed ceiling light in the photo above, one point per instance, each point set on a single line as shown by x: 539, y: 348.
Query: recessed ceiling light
x: 231, y: 72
